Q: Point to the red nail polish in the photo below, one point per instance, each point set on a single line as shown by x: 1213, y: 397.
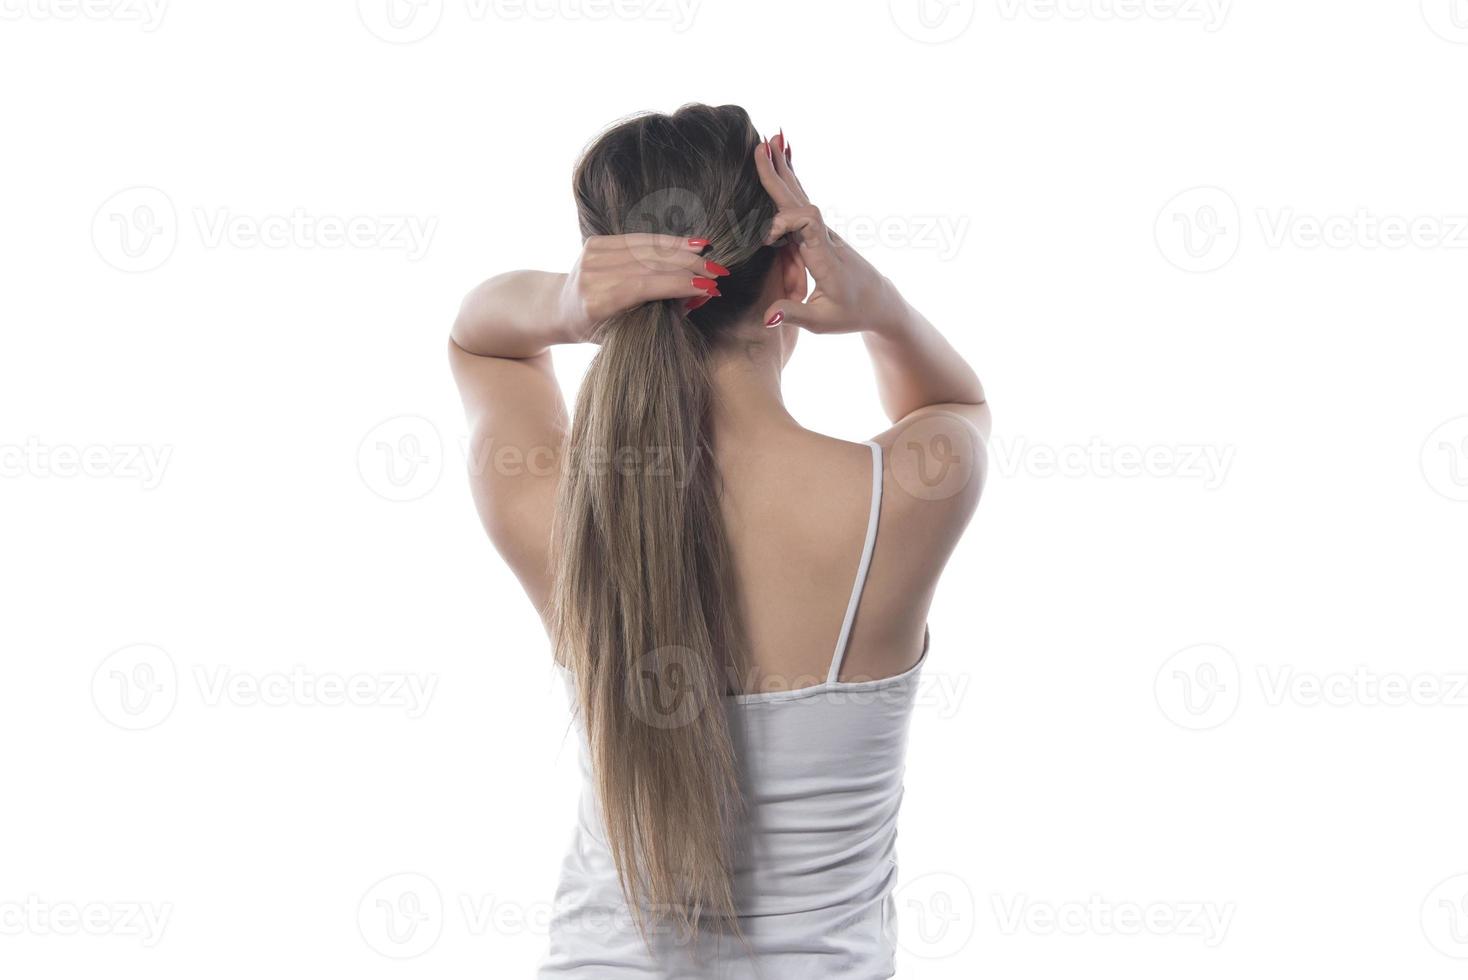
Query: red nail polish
x: 776, y: 320
x: 715, y: 292
x: 702, y: 282
x: 698, y: 243
x: 769, y: 153
x: 788, y: 157
x: 715, y: 269
x: 696, y: 302
x: 781, y: 137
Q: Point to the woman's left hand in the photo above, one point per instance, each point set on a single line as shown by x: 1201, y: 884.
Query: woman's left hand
x: 850, y: 294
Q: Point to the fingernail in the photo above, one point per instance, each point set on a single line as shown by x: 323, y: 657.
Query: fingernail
x: 788, y: 156
x: 715, y: 292
x: 700, y: 282
x: 781, y: 137
x: 698, y: 243
x: 769, y: 153
x: 776, y: 320
x: 715, y: 269
x: 696, y: 302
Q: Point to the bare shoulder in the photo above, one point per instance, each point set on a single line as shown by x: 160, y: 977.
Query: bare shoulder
x: 933, y: 470
x: 811, y: 486
x: 936, y: 465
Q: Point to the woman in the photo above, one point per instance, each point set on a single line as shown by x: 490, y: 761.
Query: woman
x: 739, y: 603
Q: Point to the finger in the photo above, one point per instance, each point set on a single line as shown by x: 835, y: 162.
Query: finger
x: 812, y: 241
x: 648, y: 287
x: 792, y: 178
x: 647, y: 240
x: 654, y: 252
x: 780, y: 192
x: 780, y: 151
x: 805, y: 222
x: 810, y: 316
x: 662, y: 261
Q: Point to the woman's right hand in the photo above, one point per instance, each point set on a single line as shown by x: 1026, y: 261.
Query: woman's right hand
x: 617, y: 272
x: 850, y: 294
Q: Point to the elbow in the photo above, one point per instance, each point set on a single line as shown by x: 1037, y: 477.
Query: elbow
x: 460, y: 322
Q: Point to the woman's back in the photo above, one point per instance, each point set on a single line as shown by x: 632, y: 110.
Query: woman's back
x: 796, y: 508
x: 820, y: 762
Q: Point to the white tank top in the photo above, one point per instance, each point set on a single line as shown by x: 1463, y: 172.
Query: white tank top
x: 821, y: 768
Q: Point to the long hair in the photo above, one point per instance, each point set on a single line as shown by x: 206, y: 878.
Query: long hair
x: 645, y: 613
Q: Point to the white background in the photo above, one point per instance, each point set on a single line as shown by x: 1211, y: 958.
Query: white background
x: 1161, y: 732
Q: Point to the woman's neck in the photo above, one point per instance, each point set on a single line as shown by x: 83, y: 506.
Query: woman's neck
x: 748, y: 403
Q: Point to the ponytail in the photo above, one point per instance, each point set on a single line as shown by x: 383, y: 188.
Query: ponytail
x: 644, y: 610
x: 645, y: 616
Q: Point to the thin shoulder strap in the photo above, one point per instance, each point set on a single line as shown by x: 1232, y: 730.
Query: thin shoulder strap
x: 861, y: 571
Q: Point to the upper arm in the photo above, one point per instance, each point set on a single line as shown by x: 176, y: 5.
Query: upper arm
x: 936, y: 464
x: 976, y: 414
x: 517, y: 425
x: 938, y: 454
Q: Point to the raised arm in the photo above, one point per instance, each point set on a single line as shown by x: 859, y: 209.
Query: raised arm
x: 517, y: 315
x: 917, y: 369
x: 499, y: 350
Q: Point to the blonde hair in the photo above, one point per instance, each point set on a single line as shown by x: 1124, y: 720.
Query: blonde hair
x: 645, y: 611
